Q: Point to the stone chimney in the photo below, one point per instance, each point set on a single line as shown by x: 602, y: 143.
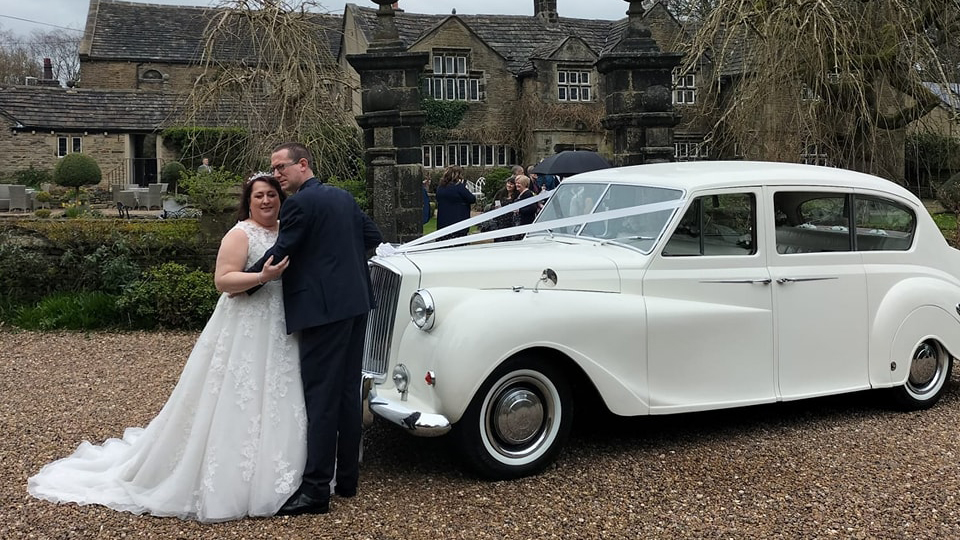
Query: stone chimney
x: 48, y: 79
x: 546, y: 10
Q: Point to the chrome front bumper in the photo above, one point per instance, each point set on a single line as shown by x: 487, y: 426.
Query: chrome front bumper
x: 419, y: 423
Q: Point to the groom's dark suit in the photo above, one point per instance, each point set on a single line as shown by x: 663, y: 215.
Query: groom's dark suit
x: 327, y: 296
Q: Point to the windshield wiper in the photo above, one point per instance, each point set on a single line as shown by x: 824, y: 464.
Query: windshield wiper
x: 620, y: 238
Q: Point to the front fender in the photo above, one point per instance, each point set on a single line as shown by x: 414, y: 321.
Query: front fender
x: 476, y: 331
x: 912, y: 311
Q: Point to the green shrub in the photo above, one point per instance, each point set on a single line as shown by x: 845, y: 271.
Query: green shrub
x: 169, y: 296
x: 76, y: 171
x: 25, y: 275
x: 82, y: 310
x: 170, y: 172
x: 32, y: 177
x: 109, y: 269
x: 75, y: 210
x: 355, y: 186
x: 213, y: 192
x: 949, y: 196
x: 494, y: 180
x: 42, y: 212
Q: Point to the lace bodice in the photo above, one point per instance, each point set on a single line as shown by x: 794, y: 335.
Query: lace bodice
x: 260, y: 240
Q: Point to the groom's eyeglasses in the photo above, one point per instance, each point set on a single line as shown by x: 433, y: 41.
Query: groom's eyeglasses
x: 281, y: 166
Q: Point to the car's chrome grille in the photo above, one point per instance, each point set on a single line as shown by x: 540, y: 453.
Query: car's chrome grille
x: 376, y: 350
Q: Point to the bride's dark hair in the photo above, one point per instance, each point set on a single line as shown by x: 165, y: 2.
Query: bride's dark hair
x: 244, y: 210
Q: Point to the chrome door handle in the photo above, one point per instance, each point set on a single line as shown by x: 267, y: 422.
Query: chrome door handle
x: 765, y: 281
x: 799, y: 280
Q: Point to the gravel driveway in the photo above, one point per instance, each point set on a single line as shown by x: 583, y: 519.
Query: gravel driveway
x: 844, y: 467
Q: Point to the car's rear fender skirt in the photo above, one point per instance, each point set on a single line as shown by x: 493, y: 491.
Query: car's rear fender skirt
x: 911, y: 312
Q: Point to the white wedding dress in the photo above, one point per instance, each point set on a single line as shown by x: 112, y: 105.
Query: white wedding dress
x: 231, y: 439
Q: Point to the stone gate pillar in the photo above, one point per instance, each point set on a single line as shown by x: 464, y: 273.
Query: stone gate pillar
x: 639, y: 102
x: 391, y: 122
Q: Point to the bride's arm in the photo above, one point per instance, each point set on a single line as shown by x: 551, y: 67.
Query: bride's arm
x: 229, y: 276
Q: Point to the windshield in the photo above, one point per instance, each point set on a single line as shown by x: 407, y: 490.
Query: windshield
x: 639, y: 229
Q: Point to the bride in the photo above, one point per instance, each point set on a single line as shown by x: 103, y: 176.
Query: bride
x: 231, y: 439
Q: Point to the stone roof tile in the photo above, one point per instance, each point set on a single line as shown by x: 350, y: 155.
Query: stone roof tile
x: 134, y: 31
x: 515, y: 37
x: 54, y: 108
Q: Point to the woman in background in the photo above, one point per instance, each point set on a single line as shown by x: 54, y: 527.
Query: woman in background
x: 453, y: 200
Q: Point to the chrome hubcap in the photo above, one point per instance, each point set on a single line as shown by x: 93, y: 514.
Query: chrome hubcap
x: 926, y: 368
x: 518, y: 416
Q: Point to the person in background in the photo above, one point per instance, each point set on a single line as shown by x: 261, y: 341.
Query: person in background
x: 453, y: 200
x: 528, y: 213
x: 504, y: 196
x: 205, y: 166
x: 427, y: 211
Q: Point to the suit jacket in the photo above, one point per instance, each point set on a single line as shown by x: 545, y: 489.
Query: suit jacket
x: 327, y: 237
x: 453, y: 204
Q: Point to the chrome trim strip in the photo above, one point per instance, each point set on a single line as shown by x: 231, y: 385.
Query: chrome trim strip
x: 802, y: 279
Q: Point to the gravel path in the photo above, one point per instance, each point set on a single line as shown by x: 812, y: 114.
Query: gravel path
x: 843, y: 467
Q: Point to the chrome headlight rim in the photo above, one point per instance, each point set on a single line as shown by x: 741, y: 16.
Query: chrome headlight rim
x: 422, y: 310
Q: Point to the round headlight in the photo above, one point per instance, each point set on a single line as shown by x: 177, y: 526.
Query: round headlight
x: 422, y: 309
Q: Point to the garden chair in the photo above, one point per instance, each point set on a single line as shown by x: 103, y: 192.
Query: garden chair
x: 4, y: 197
x: 18, y: 197
x: 153, y: 197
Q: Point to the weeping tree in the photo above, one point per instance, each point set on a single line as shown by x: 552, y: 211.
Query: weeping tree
x: 267, y: 68
x: 838, y: 80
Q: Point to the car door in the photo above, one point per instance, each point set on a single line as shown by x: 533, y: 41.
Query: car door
x: 819, y: 293
x: 709, y: 308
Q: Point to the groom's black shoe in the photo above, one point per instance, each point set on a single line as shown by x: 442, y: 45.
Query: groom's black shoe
x: 301, y: 503
x: 345, y: 492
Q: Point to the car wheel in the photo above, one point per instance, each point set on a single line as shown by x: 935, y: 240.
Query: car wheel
x: 927, y: 379
x: 517, y: 421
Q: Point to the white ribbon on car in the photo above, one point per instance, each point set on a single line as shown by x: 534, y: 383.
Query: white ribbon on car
x: 421, y: 244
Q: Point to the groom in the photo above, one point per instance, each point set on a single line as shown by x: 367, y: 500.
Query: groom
x: 327, y: 296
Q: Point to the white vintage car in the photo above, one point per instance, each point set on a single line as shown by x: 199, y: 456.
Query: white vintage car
x: 662, y: 289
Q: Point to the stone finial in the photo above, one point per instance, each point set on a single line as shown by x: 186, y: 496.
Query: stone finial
x: 636, y: 36
x: 386, y: 37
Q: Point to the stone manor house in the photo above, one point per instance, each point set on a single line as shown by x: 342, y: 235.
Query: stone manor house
x: 529, y: 83
x: 530, y: 86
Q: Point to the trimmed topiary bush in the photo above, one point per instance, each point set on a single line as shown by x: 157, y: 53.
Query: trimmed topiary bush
x: 76, y: 171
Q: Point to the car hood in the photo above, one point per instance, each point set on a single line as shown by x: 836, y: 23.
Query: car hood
x: 580, y: 266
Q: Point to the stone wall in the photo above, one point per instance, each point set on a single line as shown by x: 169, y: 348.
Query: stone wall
x: 494, y: 117
x: 22, y: 150
x: 130, y: 75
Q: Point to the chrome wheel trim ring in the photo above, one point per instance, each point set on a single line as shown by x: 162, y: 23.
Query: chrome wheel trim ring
x: 520, y: 417
x: 927, y: 369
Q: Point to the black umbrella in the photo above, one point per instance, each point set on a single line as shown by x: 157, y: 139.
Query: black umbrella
x: 570, y: 162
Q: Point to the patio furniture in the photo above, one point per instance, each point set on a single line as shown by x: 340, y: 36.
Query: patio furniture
x: 128, y: 198
x: 153, y: 197
x: 18, y: 197
x: 4, y: 197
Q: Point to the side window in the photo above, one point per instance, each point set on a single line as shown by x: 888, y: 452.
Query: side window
x: 716, y: 225
x: 883, y: 225
x: 812, y: 222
